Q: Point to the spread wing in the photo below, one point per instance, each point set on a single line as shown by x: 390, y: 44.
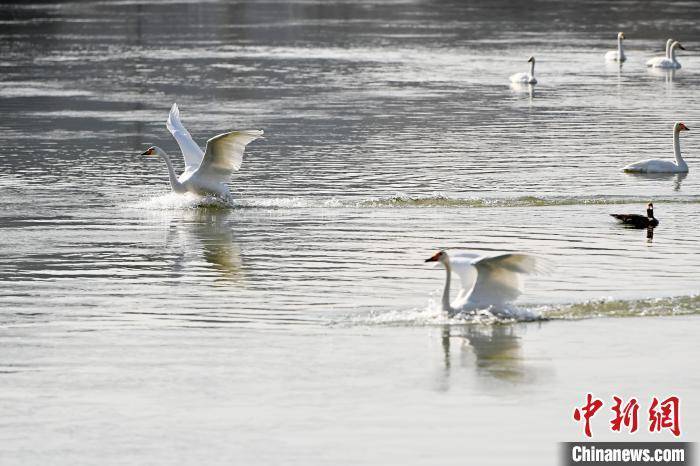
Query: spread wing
x: 499, y: 278
x: 190, y: 150
x: 224, y: 154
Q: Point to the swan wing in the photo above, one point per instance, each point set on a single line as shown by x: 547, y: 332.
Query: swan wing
x: 652, y: 166
x: 224, y: 155
x: 190, y: 150
x: 499, y: 278
x: 462, y: 265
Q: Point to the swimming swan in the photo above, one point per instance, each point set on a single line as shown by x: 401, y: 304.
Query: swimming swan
x: 619, y: 54
x: 668, y: 62
x: 205, y: 172
x: 525, y: 78
x: 655, y: 60
x: 663, y: 166
x: 486, y: 280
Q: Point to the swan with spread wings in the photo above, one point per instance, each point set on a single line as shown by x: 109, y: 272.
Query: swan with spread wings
x: 205, y: 172
x: 487, y: 281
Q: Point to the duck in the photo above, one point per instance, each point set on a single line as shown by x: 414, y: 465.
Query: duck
x: 663, y: 166
x: 487, y: 281
x: 653, y: 61
x: 619, y: 54
x: 669, y: 62
x: 525, y: 78
x: 639, y: 221
x: 208, y: 172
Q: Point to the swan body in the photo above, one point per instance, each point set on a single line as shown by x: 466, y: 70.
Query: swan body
x: 654, y: 61
x: 486, y: 281
x: 639, y: 221
x: 669, y: 61
x: 663, y: 166
x: 208, y: 171
x: 525, y: 78
x: 619, y: 54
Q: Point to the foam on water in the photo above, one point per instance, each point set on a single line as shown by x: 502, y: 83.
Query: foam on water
x: 432, y: 314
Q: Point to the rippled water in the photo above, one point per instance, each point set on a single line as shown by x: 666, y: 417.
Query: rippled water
x: 299, y: 324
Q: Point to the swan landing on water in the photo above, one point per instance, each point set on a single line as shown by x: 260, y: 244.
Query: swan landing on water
x: 205, y: 172
x: 663, y: 166
x: 619, y: 54
x: 525, y: 78
x: 487, y: 281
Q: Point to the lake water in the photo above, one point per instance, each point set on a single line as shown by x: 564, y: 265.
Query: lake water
x: 299, y: 325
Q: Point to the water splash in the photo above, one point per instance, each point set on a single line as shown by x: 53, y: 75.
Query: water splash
x: 433, y: 315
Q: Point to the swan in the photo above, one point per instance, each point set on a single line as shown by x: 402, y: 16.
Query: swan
x: 668, y: 62
x: 663, y: 166
x: 639, y: 221
x: 525, y: 78
x: 655, y: 60
x: 619, y: 54
x: 205, y: 172
x: 487, y: 281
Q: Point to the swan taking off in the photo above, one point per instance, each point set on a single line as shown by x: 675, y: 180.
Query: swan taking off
x: 619, y: 54
x: 487, y: 281
x: 663, y: 166
x: 669, y: 61
x: 205, y: 172
x: 525, y: 78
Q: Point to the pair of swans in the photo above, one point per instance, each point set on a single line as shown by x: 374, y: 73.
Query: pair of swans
x: 668, y: 61
x: 663, y: 166
x: 486, y: 281
x: 205, y: 172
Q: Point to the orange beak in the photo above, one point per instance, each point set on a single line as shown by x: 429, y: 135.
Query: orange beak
x: 683, y: 127
x: 435, y: 257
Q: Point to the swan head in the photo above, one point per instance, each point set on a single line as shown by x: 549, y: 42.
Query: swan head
x: 677, y: 44
x: 620, y: 35
x: 531, y: 59
x: 680, y: 126
x: 154, y: 150
x: 440, y: 256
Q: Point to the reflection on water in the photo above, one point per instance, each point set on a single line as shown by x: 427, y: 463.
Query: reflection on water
x: 493, y: 351
x: 676, y: 178
x: 206, y: 234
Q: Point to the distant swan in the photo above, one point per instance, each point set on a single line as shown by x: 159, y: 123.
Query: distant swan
x: 619, y: 54
x: 205, y: 172
x: 663, y: 166
x: 525, y: 78
x: 654, y: 61
x: 670, y: 61
x: 639, y: 221
x: 486, y: 281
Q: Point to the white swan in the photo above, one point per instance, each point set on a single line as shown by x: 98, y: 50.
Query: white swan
x: 619, y: 54
x: 525, y: 78
x: 669, y: 62
x: 205, y: 172
x: 663, y: 166
x: 654, y: 61
x: 491, y: 281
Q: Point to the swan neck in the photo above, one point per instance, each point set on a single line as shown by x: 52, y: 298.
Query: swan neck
x: 446, y: 292
x: 532, y: 69
x: 620, y: 50
x: 677, y: 148
x: 672, y: 53
x: 174, y: 183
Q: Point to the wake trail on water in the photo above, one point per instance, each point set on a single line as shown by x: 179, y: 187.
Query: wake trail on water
x: 433, y: 315
x: 175, y: 201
